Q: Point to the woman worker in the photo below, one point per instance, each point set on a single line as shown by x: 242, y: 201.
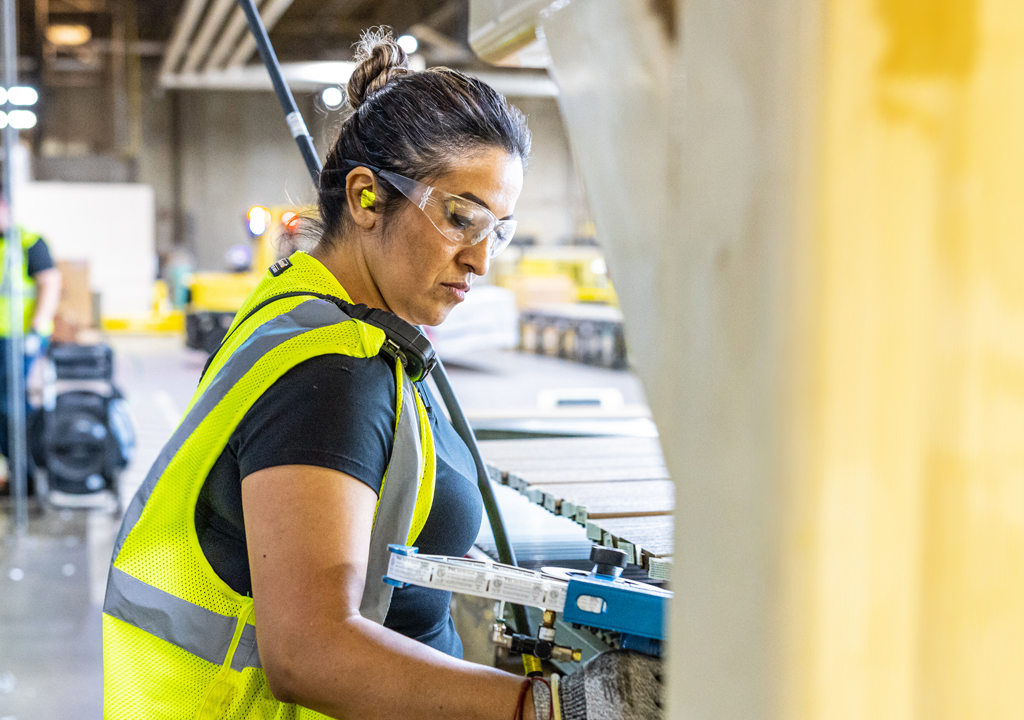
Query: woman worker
x: 246, y: 576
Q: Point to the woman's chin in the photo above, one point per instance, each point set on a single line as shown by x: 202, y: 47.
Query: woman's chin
x: 438, y: 316
x: 434, y: 314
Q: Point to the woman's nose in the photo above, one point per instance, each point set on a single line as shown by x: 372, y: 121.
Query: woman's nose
x: 477, y: 257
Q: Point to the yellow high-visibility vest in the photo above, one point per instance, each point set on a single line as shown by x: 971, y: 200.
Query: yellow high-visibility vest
x: 28, y: 286
x: 178, y: 642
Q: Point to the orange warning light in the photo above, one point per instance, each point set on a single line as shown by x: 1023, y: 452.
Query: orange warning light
x: 290, y: 220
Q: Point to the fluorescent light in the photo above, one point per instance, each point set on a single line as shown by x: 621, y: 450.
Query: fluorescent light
x: 332, y: 97
x: 21, y: 119
x: 408, y: 43
x: 68, y: 34
x: 22, y: 95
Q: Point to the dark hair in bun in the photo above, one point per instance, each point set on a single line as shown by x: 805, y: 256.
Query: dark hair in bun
x: 380, y: 59
x: 413, y: 124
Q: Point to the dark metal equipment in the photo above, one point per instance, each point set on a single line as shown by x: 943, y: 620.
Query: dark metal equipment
x: 84, y: 436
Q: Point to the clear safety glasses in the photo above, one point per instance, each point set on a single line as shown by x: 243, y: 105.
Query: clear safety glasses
x: 462, y: 221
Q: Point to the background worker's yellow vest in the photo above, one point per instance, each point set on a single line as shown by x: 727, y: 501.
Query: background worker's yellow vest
x: 178, y: 642
x: 28, y: 285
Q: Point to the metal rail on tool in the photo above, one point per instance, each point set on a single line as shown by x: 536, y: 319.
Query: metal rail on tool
x: 298, y: 129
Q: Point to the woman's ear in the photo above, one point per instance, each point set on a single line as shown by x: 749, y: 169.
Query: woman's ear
x: 361, y: 196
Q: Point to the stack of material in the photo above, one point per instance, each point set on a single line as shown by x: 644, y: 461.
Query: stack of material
x: 618, y: 488
x: 586, y: 333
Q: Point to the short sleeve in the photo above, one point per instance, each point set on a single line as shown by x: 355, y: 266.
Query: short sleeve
x: 331, y: 411
x: 38, y: 258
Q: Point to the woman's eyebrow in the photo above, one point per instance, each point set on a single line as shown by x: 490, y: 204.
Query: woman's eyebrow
x: 474, y: 198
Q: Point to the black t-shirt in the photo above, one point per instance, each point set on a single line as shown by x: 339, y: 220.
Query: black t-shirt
x: 37, y: 257
x: 338, y: 412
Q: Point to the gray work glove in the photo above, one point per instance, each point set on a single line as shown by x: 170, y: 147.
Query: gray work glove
x: 615, y: 685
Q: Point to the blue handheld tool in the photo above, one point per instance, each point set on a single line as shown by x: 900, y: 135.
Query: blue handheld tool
x: 600, y: 599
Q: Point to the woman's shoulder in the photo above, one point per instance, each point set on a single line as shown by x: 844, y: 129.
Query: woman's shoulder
x: 332, y: 411
x: 324, y: 396
x: 338, y: 378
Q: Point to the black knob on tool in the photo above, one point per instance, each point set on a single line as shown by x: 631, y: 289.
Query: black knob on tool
x: 608, y: 561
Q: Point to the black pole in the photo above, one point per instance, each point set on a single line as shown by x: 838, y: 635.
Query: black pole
x: 298, y: 127
x: 17, y: 450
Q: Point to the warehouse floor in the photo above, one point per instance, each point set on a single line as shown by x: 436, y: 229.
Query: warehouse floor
x: 52, y: 580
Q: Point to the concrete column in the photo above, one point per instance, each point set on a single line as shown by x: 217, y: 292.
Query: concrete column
x: 814, y: 217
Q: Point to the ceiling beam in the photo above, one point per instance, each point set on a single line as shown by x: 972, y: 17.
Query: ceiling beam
x: 270, y: 14
x: 208, y: 29
x: 228, y: 40
x: 314, y: 76
x: 182, y: 33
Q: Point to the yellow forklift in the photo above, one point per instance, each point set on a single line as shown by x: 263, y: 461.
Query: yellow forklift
x: 215, y: 297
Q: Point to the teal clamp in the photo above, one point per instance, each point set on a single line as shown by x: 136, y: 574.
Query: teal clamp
x: 402, y: 549
x: 406, y: 550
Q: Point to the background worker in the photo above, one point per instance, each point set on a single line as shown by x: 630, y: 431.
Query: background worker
x: 41, y: 286
x: 285, y: 505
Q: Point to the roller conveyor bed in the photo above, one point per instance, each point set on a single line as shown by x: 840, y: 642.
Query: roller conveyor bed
x: 610, y: 490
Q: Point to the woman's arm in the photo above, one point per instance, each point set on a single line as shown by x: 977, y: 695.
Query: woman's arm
x: 308, y: 532
x: 48, y: 287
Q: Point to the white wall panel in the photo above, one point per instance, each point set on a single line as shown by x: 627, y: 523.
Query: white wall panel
x: 109, y: 225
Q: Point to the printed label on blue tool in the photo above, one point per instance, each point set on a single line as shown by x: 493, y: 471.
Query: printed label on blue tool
x: 484, y: 579
x: 461, y: 580
x: 409, y: 569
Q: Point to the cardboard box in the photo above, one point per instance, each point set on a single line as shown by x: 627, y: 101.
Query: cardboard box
x: 74, y: 312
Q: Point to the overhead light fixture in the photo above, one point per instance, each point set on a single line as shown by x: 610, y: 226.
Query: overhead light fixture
x: 21, y: 119
x: 68, y: 34
x: 408, y: 43
x: 333, y: 97
x: 22, y: 95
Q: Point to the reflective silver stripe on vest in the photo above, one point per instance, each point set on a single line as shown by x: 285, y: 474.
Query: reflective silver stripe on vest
x: 246, y: 654
x: 395, y: 509
x: 203, y: 632
x: 199, y: 631
x: 193, y: 628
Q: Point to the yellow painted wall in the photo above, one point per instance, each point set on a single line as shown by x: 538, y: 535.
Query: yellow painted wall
x: 905, y: 552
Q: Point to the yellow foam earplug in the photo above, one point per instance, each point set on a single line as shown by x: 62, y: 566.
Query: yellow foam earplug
x: 367, y: 198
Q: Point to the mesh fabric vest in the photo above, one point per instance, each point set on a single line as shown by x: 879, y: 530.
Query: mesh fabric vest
x: 178, y: 642
x: 28, y: 286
